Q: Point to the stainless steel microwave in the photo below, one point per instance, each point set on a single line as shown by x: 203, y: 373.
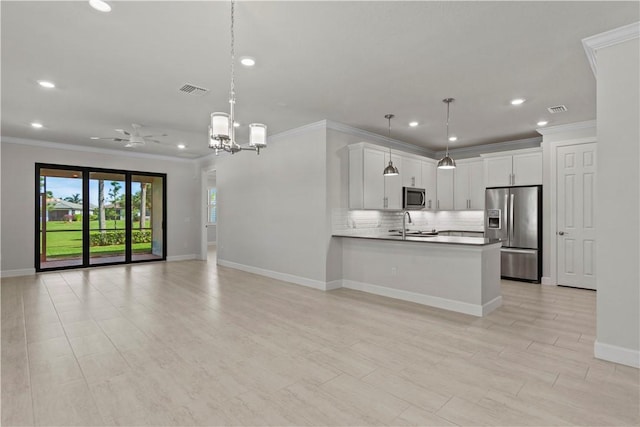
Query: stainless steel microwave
x: 413, y: 198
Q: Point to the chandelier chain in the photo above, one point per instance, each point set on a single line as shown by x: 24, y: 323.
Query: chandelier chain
x: 233, y: 53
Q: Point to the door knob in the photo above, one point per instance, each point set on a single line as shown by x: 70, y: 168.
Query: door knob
x: 561, y: 233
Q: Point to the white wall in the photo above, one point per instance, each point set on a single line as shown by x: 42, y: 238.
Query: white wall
x: 18, y: 172
x: 272, y: 207
x: 618, y: 192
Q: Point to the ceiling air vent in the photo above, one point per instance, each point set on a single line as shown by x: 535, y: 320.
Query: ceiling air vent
x: 193, y: 90
x: 557, y: 109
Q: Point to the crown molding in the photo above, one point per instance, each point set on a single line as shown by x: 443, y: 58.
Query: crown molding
x: 374, y: 137
x: 70, y: 147
x: 551, y: 130
x: 606, y: 39
x: 477, y: 150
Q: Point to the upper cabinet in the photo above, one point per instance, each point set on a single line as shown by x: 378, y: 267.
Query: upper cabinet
x: 522, y: 167
x: 445, y: 189
x: 411, y: 172
x: 468, y: 189
x: 368, y: 188
x: 428, y: 172
x: 366, y: 182
x: 393, y: 184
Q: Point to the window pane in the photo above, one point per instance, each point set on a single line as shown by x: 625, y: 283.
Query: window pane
x: 60, y: 222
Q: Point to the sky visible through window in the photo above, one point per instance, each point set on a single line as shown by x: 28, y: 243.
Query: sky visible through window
x: 67, y: 187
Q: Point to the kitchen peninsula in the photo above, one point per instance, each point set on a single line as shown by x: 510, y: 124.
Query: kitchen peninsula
x: 454, y: 273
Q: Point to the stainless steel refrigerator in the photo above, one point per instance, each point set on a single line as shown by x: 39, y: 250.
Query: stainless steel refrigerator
x: 514, y: 215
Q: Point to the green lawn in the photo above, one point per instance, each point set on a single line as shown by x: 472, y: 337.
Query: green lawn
x: 65, y: 240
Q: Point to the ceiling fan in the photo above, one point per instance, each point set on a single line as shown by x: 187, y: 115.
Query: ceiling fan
x: 132, y: 139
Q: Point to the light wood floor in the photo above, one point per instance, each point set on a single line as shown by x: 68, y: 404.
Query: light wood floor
x: 186, y: 343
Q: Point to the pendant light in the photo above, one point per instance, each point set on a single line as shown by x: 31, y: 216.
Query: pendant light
x: 390, y: 170
x: 447, y: 162
x: 222, y: 130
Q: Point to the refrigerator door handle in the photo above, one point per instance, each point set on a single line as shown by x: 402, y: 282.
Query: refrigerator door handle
x: 511, y: 225
x: 518, y: 251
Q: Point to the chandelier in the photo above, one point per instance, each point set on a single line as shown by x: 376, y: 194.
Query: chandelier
x: 222, y: 127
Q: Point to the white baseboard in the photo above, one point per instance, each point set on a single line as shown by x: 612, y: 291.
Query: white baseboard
x: 335, y: 284
x: 547, y: 281
x: 447, y: 304
x: 298, y: 280
x: 17, y: 273
x: 491, y: 305
x: 613, y: 353
x: 186, y: 257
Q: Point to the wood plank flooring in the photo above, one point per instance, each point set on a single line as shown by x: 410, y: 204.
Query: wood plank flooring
x: 189, y: 343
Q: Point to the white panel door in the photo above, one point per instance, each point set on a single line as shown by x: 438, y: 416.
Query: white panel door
x: 576, y: 169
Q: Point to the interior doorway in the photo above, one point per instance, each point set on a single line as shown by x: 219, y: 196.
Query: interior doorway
x: 209, y: 235
x: 575, y: 232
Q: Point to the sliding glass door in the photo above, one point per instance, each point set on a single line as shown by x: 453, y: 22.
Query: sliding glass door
x: 89, y: 216
x: 108, y: 229
x: 59, y: 221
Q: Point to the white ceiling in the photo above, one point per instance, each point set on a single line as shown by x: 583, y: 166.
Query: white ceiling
x: 351, y: 62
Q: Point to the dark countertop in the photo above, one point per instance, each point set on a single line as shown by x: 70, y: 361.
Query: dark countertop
x: 468, y: 241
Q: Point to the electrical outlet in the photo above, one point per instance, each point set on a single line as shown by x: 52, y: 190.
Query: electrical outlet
x: 394, y: 271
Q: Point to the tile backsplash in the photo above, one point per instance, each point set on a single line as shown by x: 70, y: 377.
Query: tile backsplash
x: 346, y: 221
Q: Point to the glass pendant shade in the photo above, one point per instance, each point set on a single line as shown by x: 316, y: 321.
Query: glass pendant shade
x: 446, y: 163
x: 390, y: 170
x: 220, y: 126
x: 257, y: 135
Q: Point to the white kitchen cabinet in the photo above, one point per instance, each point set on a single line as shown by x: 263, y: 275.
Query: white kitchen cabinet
x: 468, y: 189
x: 429, y: 178
x: 393, y: 184
x: 366, y: 182
x: 411, y: 173
x: 527, y: 169
x: 368, y: 188
x: 444, y: 183
x: 516, y: 168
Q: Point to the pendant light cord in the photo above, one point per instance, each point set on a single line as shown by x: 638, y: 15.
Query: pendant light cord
x: 448, y: 105
x: 232, y: 93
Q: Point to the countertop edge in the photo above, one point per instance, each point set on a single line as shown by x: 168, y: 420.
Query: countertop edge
x: 455, y: 240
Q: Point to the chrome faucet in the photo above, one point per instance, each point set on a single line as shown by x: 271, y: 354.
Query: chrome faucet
x: 405, y: 214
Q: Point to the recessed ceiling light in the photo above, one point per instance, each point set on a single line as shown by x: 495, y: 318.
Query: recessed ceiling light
x: 36, y: 125
x: 236, y: 124
x: 542, y: 123
x: 248, y: 61
x: 100, y: 5
x: 453, y: 138
x: 95, y: 137
x: 413, y: 124
x: 46, y: 84
x: 182, y: 146
x: 517, y: 101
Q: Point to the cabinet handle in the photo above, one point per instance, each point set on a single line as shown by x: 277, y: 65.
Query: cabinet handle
x: 514, y: 179
x: 438, y: 204
x: 413, y: 181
